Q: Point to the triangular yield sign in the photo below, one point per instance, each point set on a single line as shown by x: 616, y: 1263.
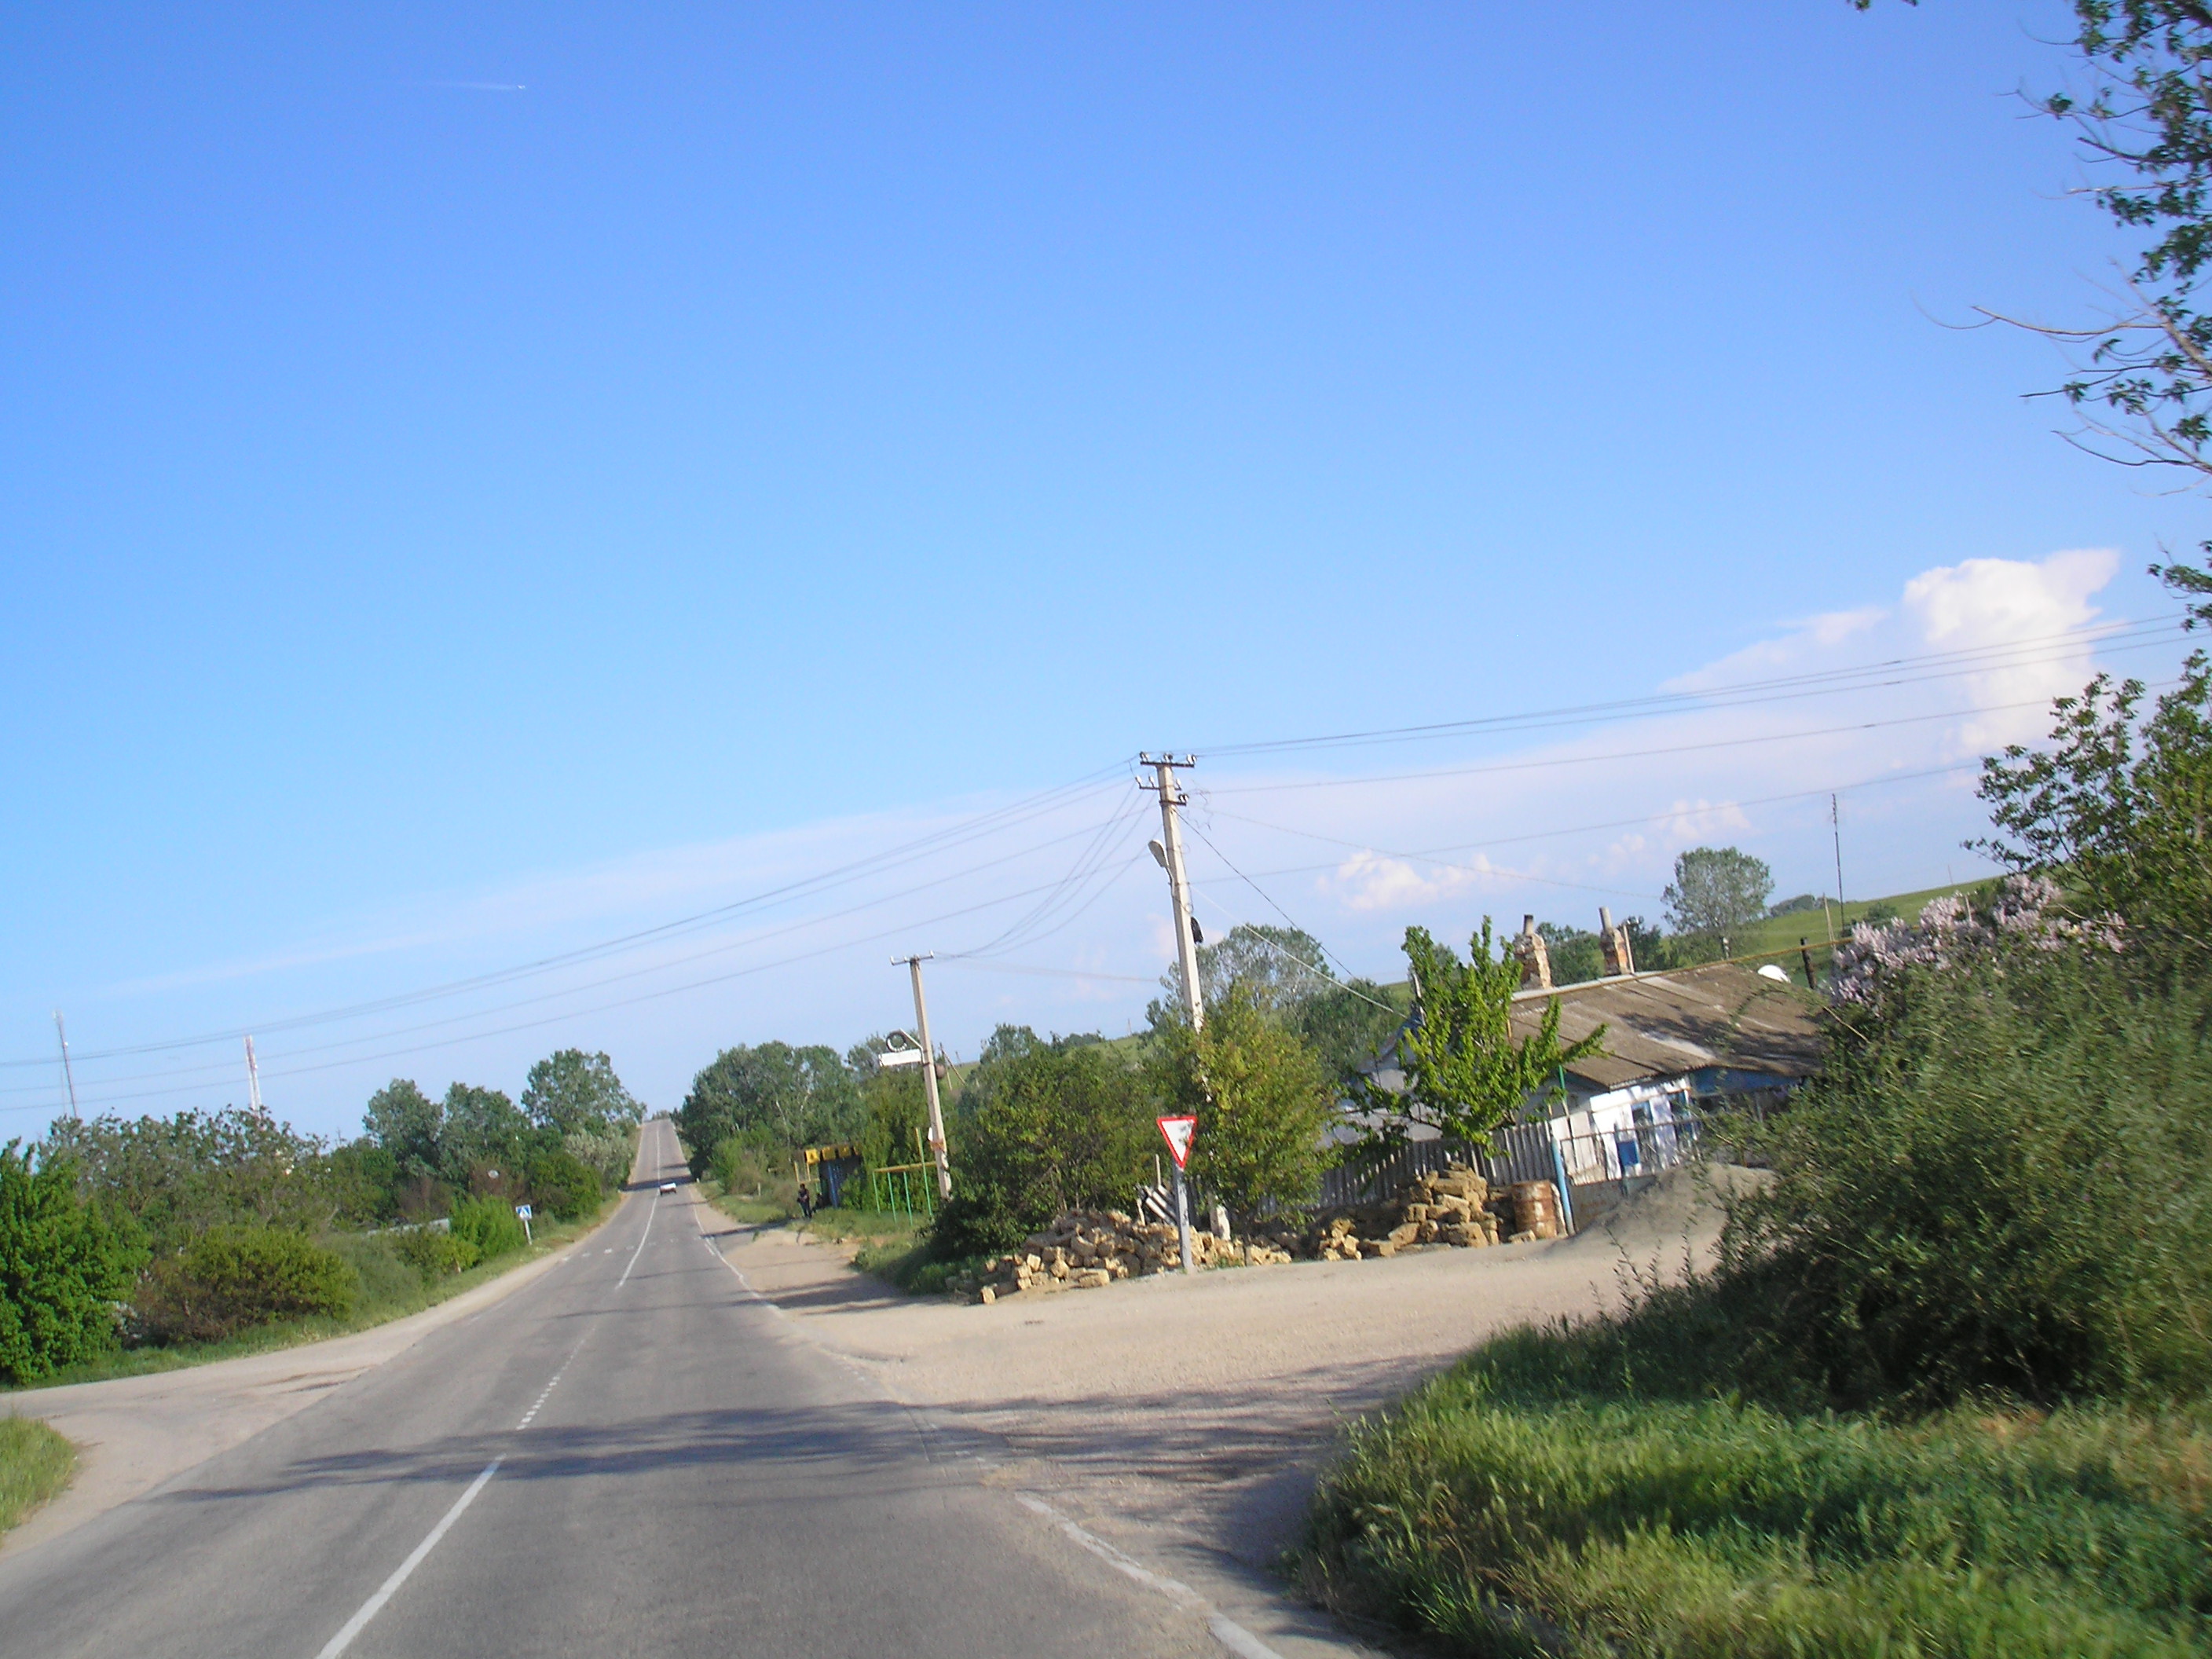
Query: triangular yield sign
x: 1180, y: 1132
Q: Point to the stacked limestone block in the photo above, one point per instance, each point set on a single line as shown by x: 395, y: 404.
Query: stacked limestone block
x: 1089, y: 1249
x: 1449, y: 1207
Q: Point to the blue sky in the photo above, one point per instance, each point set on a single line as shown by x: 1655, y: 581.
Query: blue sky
x: 448, y: 525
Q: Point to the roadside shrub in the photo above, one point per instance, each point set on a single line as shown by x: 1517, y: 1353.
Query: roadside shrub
x: 608, y: 1152
x: 389, y: 1281
x: 489, y: 1224
x: 1263, y: 1104
x: 2003, y: 1184
x: 1046, y: 1126
x: 63, y: 1269
x: 229, y: 1278
x: 566, y: 1187
x: 434, y: 1252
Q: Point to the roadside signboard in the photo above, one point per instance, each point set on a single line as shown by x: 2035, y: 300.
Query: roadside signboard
x: 899, y: 1057
x: 1180, y: 1132
x: 523, y: 1212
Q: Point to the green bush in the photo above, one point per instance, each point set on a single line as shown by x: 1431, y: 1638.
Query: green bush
x: 63, y: 1269
x: 434, y: 1252
x: 489, y: 1224
x: 389, y: 1282
x: 2003, y: 1184
x: 1264, y: 1105
x: 1044, y: 1127
x: 610, y: 1152
x: 565, y: 1186
x: 231, y: 1277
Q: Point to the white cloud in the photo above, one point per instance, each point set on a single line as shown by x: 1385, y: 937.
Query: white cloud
x: 1370, y: 881
x: 1990, y: 602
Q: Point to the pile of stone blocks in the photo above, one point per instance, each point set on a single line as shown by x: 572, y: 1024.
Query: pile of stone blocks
x: 1452, y: 1206
x: 1089, y: 1249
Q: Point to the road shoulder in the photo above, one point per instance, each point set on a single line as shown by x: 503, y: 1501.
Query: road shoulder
x: 133, y: 1434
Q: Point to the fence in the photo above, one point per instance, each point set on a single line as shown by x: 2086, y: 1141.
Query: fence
x: 1596, y: 1170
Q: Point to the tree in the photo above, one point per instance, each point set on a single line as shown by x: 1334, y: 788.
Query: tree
x: 2119, y: 810
x: 482, y: 1127
x: 1465, y: 1074
x: 1348, y: 1026
x: 572, y: 1092
x: 63, y: 1268
x: 1574, y: 952
x: 174, y: 1178
x: 1281, y: 968
x: 2143, y: 381
x: 1045, y: 1126
x: 407, y: 1123
x: 1717, y: 890
x: 796, y: 1097
x: 1262, y: 1101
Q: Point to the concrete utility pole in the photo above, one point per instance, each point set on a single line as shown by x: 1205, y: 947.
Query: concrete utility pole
x: 253, y: 1079
x: 68, y: 1076
x: 1836, y: 823
x: 1170, y: 854
x: 1169, y: 851
x: 937, y: 1153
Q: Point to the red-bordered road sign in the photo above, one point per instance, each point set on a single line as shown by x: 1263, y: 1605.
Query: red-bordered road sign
x: 1180, y: 1132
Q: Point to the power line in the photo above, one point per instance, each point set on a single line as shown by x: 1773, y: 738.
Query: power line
x: 1625, y: 753
x: 904, y: 853
x: 1973, y: 659
x: 662, y: 966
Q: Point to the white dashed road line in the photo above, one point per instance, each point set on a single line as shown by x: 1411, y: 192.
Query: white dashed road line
x: 354, y: 1626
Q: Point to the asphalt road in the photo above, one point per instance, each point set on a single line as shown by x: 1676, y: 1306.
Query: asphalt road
x: 631, y: 1455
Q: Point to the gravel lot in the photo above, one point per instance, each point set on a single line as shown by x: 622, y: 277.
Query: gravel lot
x: 1190, y: 1414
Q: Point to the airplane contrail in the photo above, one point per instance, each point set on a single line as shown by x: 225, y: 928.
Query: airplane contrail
x: 472, y: 86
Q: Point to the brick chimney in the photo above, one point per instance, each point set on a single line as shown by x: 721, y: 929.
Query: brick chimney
x: 1620, y: 956
x: 1536, y: 957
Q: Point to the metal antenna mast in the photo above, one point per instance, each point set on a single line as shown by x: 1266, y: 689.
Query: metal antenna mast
x: 68, y: 1076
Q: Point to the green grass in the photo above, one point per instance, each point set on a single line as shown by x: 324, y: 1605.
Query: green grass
x: 390, y: 1291
x: 1781, y: 933
x: 1508, y: 1516
x: 35, y: 1463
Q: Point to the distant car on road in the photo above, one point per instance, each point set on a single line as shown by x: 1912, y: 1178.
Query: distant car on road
x: 667, y: 1186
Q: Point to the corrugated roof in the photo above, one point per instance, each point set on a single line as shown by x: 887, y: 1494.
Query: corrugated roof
x: 1665, y: 1025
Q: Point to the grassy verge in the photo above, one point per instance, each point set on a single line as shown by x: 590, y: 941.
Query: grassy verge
x: 888, y: 1246
x: 390, y: 1289
x: 35, y: 1463
x: 1509, y: 1514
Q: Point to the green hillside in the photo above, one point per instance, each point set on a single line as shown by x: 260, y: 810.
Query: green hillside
x: 1783, y: 932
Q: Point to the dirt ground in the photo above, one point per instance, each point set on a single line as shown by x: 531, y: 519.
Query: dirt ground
x: 1191, y: 1414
